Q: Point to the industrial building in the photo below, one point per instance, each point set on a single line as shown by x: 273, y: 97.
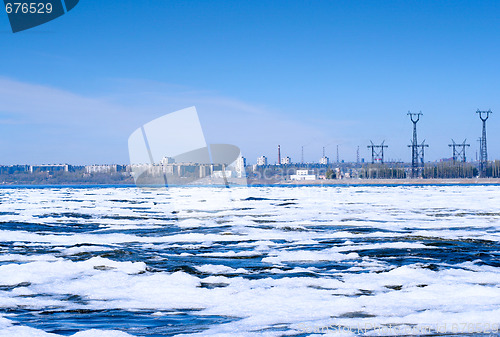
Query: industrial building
x: 303, y: 175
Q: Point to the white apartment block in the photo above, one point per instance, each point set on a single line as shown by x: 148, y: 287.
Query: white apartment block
x: 240, y: 165
x: 222, y: 174
x: 286, y: 161
x: 262, y: 161
x: 100, y: 168
x: 167, y: 160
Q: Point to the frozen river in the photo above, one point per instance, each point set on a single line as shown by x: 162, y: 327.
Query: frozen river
x: 262, y: 261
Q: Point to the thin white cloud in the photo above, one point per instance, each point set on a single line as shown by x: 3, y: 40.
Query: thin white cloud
x: 46, y: 124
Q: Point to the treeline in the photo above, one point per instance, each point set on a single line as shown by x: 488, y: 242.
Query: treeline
x: 493, y: 170
x: 460, y: 170
x: 65, y: 178
x: 429, y: 171
x: 450, y: 170
x: 383, y: 171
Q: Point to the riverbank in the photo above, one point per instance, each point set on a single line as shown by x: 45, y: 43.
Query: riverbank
x: 251, y: 182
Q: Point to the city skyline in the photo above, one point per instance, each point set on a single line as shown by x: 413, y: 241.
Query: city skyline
x: 272, y: 159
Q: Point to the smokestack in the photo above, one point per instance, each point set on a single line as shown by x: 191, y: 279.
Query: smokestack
x: 279, y: 155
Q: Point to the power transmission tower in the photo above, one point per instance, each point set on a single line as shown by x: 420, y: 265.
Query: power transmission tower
x: 338, y: 160
x: 357, y: 155
x: 377, y: 152
x: 459, y: 151
x: 417, y: 150
x: 483, y: 150
x: 302, y: 155
x: 479, y: 141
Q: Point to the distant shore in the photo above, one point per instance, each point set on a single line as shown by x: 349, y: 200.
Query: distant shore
x: 256, y: 183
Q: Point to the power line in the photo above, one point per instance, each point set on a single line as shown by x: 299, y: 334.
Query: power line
x: 377, y: 152
x: 459, y: 151
x: 483, y: 149
x: 417, y: 150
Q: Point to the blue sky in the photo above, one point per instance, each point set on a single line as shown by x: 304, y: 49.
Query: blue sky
x: 260, y: 73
